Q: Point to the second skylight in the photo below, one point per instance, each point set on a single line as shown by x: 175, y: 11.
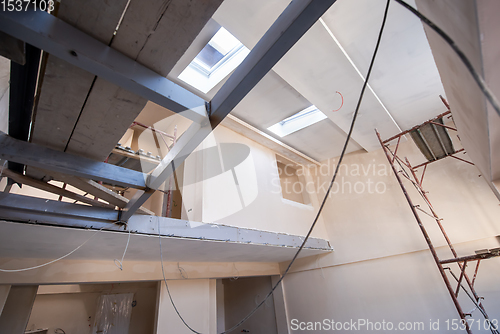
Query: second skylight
x: 300, y: 120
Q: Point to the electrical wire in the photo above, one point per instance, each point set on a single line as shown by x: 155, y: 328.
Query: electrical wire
x: 480, y: 82
x: 120, y: 263
x: 53, y: 261
x: 344, y: 149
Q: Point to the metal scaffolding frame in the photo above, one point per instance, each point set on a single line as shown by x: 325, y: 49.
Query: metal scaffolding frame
x: 403, y: 168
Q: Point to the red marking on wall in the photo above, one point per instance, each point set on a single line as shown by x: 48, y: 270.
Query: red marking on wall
x: 341, y: 103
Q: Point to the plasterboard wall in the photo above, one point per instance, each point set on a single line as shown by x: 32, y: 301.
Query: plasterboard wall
x: 249, y: 195
x: 196, y: 302
x: 381, y: 269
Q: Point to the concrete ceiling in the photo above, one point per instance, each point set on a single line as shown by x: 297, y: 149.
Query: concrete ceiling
x: 20, y: 240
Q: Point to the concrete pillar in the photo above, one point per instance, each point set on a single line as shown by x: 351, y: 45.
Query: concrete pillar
x: 17, y: 309
x: 221, y: 319
x: 195, y: 301
x: 279, y: 306
x: 4, y: 292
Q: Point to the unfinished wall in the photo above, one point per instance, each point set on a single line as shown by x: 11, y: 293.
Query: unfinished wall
x: 381, y: 268
x: 241, y: 296
x: 249, y: 194
x: 73, y: 308
x: 196, y: 302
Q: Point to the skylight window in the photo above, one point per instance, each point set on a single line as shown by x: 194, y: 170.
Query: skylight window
x: 222, y: 54
x: 300, y: 120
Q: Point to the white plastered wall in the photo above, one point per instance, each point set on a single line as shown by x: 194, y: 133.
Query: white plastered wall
x: 381, y: 268
x: 196, y: 302
x: 258, y: 203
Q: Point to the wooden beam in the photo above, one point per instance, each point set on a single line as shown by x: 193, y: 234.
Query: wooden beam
x: 147, y: 24
x: 64, y: 86
x: 72, y: 45
x: 53, y: 189
x: 45, y: 158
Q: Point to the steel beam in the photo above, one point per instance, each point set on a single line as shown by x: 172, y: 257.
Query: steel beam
x: 290, y: 26
x: 62, y: 40
x: 48, y: 212
x: 62, y: 192
x: 45, y: 158
x: 25, y: 208
x: 186, y: 144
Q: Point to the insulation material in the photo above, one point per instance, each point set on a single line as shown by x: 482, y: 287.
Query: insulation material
x: 113, y: 314
x: 433, y: 140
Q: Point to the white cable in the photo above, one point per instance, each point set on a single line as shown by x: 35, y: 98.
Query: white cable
x: 120, y: 263
x: 53, y: 261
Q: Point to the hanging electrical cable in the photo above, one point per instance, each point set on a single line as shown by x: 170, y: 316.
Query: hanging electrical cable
x: 166, y: 285
x: 365, y: 83
x: 53, y: 261
x: 119, y: 263
x: 480, y: 82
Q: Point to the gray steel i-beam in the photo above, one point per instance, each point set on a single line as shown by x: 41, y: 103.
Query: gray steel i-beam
x: 290, y: 26
x: 68, y: 43
x: 45, y: 158
x: 62, y: 40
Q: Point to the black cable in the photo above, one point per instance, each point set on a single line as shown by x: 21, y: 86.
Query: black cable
x: 365, y: 83
x: 480, y: 82
x: 482, y: 85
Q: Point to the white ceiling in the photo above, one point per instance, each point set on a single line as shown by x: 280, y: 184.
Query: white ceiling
x: 404, y: 77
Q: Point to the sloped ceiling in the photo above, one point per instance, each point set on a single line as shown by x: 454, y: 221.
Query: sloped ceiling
x: 405, y: 82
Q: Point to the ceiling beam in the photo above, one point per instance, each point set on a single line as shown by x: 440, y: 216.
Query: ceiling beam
x: 45, y: 158
x: 186, y: 144
x: 98, y: 190
x: 33, y: 209
x: 19, y: 178
x: 290, y: 26
x: 62, y: 40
